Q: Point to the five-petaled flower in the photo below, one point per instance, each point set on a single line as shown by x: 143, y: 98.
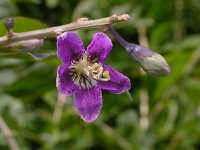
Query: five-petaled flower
x: 83, y: 73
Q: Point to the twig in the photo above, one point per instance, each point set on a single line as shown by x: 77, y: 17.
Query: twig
x: 53, y: 31
x: 8, y: 135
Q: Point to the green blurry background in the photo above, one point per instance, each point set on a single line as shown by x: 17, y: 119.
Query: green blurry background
x: 165, y: 111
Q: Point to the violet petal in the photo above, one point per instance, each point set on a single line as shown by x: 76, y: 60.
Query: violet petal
x: 69, y: 46
x: 64, y: 83
x: 88, y: 103
x: 100, y: 47
x: 118, y: 83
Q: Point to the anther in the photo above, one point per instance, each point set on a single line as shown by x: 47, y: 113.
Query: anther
x: 86, y: 73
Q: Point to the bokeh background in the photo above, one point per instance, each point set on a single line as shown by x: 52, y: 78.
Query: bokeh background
x: 165, y: 111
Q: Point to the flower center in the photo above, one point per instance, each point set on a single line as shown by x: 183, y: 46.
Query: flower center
x: 86, y: 72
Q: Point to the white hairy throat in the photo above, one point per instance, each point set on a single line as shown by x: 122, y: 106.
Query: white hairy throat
x: 86, y: 72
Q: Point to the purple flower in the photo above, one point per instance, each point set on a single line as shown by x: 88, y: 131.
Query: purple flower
x: 83, y: 73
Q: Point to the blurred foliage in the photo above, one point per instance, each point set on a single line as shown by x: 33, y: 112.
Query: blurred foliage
x: 27, y: 87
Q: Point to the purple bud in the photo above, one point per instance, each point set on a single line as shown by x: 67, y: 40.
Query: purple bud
x: 151, y: 62
x: 9, y: 24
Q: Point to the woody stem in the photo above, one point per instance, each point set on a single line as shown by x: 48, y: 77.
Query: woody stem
x: 53, y: 31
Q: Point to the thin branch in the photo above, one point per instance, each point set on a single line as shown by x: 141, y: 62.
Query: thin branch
x: 83, y: 23
x: 8, y: 135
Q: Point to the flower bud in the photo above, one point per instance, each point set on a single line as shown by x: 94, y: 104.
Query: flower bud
x: 151, y: 62
x: 24, y: 46
x: 9, y: 24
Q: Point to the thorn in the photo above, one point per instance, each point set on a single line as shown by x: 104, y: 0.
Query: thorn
x: 114, y: 18
x: 82, y: 19
x: 124, y: 17
x: 58, y: 32
x: 105, y: 29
